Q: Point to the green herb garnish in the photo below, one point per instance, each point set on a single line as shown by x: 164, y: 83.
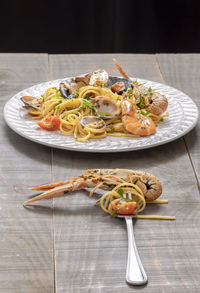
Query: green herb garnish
x: 57, y: 93
x: 134, y: 81
x: 111, y: 128
x: 114, y: 213
x: 93, y: 109
x: 120, y: 191
x: 143, y: 112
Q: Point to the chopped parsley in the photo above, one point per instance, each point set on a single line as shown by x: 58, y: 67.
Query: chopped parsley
x: 111, y: 128
x: 120, y: 191
x: 150, y: 91
x: 93, y: 109
x: 114, y: 213
x: 88, y: 103
x: 129, y: 93
x: 58, y: 93
x: 134, y: 81
x: 143, y: 112
x: 141, y: 101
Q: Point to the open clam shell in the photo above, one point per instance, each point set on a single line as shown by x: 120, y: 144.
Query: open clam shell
x: 92, y: 122
x: 107, y: 108
x: 31, y: 110
x: 31, y: 105
x: 31, y: 101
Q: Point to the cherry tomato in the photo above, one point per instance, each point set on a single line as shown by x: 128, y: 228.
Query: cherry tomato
x: 127, y: 208
x: 50, y: 124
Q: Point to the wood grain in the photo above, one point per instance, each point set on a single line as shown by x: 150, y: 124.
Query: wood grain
x: 26, y: 260
x: 91, y: 247
x: 182, y: 72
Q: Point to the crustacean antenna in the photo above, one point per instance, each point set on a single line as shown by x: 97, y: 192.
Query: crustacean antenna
x: 123, y: 73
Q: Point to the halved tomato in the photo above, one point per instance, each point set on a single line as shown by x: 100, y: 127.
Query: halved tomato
x: 51, y: 124
x: 126, y: 208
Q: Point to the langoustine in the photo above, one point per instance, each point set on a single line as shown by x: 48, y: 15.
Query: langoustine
x: 145, y: 97
x: 105, y: 179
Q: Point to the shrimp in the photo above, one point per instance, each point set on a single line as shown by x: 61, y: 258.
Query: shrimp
x: 154, y: 102
x: 105, y: 179
x: 134, y: 122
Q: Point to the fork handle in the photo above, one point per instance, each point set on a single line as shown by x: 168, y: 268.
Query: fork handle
x: 135, y: 274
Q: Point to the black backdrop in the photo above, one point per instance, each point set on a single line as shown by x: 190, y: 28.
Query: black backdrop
x: 89, y: 26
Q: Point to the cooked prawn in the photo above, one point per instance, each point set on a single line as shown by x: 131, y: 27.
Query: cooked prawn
x: 134, y: 122
x: 105, y: 179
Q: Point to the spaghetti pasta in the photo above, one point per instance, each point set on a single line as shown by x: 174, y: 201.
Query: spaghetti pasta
x: 94, y: 101
x: 127, y: 192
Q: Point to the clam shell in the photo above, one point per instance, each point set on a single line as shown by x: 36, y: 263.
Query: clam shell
x: 107, y: 108
x: 92, y: 122
x: 31, y: 101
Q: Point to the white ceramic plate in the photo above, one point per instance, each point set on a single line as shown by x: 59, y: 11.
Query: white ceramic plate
x: 183, y: 116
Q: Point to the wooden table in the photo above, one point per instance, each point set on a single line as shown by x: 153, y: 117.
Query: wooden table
x: 67, y: 244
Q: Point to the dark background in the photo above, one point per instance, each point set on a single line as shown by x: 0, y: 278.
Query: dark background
x: 89, y: 26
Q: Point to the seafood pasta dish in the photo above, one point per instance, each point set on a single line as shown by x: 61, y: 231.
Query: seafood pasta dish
x: 128, y: 191
x: 96, y: 105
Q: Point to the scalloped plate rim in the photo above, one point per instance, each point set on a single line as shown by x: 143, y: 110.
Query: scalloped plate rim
x: 83, y: 146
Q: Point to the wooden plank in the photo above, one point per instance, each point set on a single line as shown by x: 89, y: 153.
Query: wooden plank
x: 182, y: 71
x: 26, y: 261
x: 91, y: 247
x: 72, y: 65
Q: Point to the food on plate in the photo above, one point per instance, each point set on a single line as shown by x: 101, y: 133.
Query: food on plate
x: 129, y: 191
x: 96, y: 105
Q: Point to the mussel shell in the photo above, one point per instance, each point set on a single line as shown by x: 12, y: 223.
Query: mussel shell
x: 92, y: 122
x: 64, y: 89
x: 112, y: 80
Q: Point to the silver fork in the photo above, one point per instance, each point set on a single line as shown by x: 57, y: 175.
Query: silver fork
x: 135, y: 274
